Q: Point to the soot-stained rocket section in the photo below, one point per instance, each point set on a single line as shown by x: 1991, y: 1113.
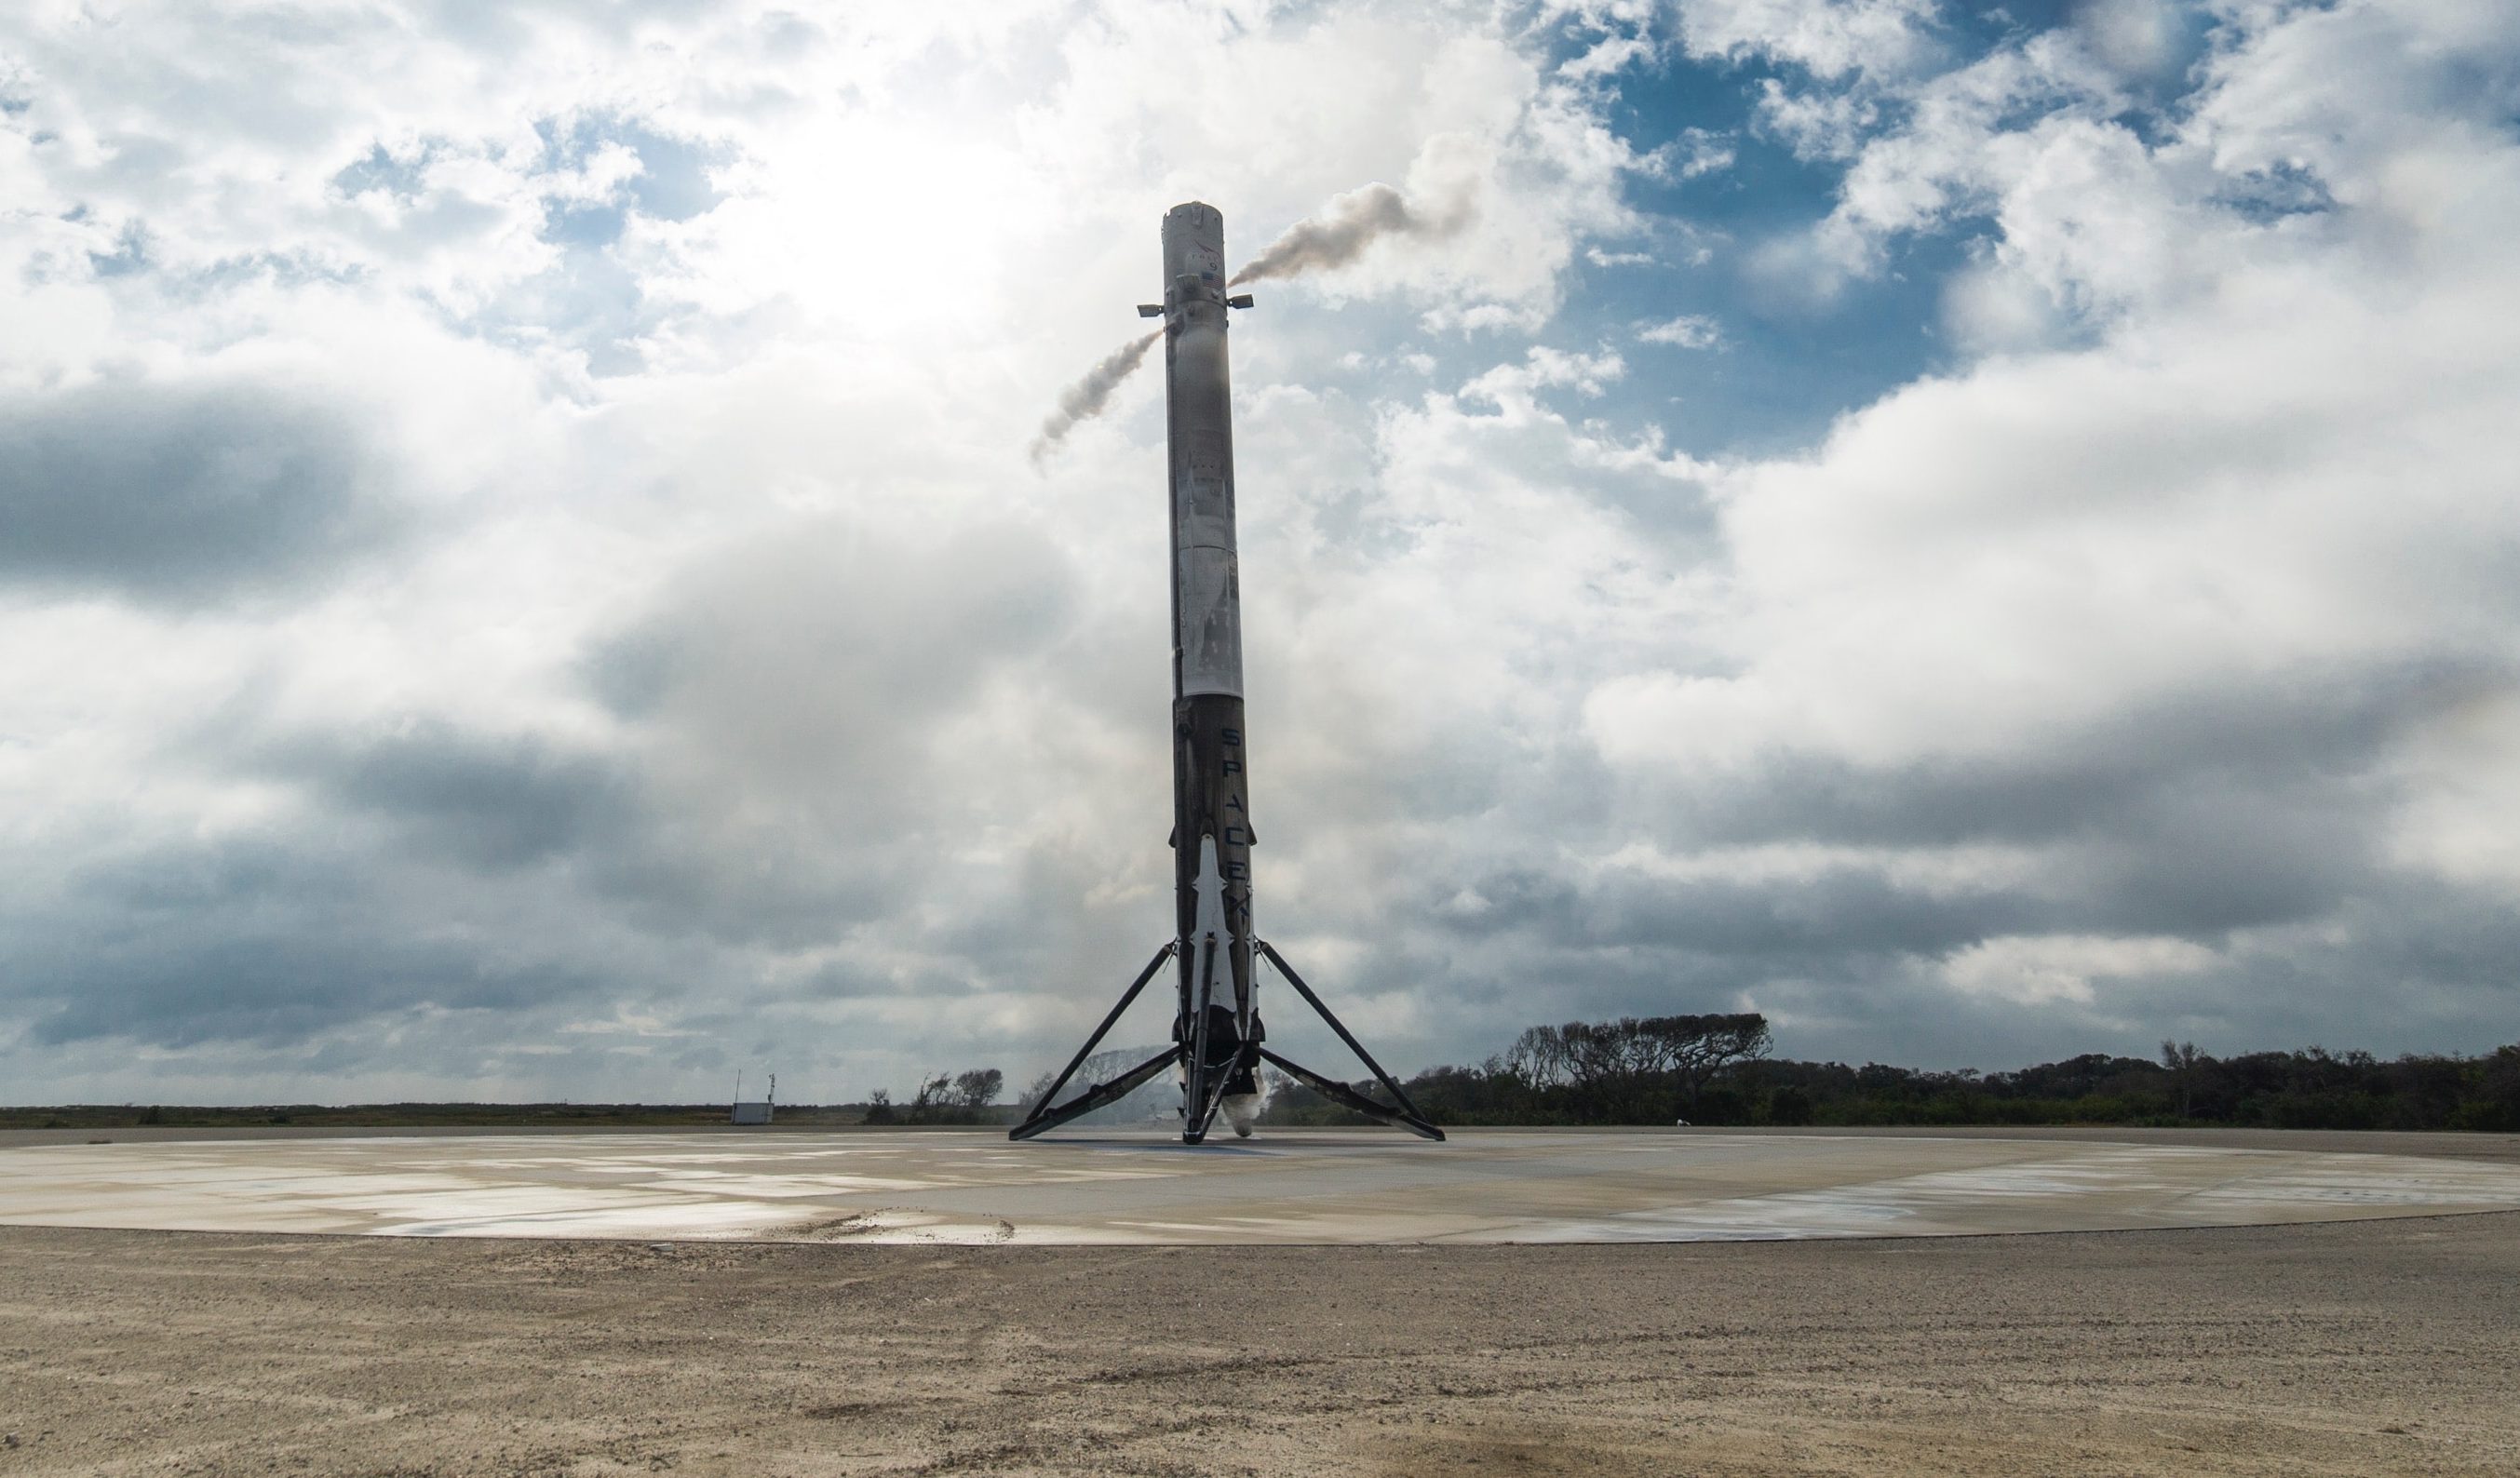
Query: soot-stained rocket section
x: 1211, y: 795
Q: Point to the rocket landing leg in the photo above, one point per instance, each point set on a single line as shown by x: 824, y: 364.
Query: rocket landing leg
x: 1401, y: 1112
x: 1204, y: 1087
x: 1043, y: 1116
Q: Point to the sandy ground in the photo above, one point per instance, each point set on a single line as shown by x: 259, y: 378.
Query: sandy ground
x: 2372, y: 1347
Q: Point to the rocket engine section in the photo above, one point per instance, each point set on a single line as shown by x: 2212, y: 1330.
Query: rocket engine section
x: 1217, y: 1023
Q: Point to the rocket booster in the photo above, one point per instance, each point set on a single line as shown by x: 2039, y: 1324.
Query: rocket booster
x: 1211, y: 803
x: 1216, y: 1029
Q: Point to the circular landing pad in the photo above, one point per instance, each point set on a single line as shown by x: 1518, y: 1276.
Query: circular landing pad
x: 1316, y: 1186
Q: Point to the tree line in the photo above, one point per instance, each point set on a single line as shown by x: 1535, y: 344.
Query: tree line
x: 1717, y: 1070
x: 964, y: 1098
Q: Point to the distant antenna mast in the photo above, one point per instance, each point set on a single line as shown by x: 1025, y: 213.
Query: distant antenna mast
x: 752, y: 1113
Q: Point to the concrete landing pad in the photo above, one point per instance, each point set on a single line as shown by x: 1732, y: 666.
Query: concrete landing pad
x: 1297, y: 1186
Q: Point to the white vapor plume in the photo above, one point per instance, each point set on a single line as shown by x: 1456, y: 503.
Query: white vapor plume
x: 1085, y: 399
x: 1339, y: 236
x: 1353, y: 222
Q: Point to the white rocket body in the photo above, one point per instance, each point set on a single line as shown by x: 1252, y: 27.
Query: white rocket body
x: 1211, y: 812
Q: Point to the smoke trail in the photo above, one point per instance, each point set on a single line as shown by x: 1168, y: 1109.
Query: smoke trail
x: 1085, y: 399
x: 1353, y: 222
x: 1339, y: 236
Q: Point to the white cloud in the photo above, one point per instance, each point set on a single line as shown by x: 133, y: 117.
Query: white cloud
x: 1817, y: 123
x: 1609, y: 56
x: 2037, y: 970
x: 1704, y: 152
x: 2459, y: 787
x: 1829, y: 38
x: 1972, y: 141
x: 1689, y: 330
x: 2143, y: 38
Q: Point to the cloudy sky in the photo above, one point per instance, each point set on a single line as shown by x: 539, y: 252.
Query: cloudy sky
x: 1983, y: 534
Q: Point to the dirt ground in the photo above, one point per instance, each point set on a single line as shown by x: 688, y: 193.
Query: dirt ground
x: 2373, y: 1347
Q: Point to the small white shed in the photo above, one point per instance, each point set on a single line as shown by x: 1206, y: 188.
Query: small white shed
x: 757, y: 1112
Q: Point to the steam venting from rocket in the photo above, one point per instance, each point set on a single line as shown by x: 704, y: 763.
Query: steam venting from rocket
x: 1086, y: 399
x: 1341, y: 233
